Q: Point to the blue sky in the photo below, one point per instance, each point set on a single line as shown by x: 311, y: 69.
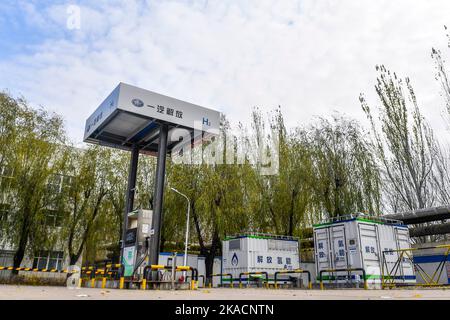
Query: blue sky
x: 18, y: 29
x: 312, y: 57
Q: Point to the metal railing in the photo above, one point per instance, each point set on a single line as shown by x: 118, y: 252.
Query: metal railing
x: 116, y: 271
x: 107, y: 272
x: 362, y: 216
x: 252, y: 274
x: 348, y: 270
x: 200, y: 276
x: 291, y: 272
x: 210, y: 278
x: 260, y: 234
x: 194, y: 274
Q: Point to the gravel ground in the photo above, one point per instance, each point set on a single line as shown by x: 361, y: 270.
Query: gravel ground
x: 10, y: 292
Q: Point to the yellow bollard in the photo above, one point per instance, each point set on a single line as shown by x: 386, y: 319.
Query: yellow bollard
x: 93, y: 283
x: 310, y: 285
x: 144, y: 284
x: 365, y: 284
x: 121, y: 282
x: 80, y: 282
x: 103, y: 283
x: 276, y: 285
x: 321, y: 285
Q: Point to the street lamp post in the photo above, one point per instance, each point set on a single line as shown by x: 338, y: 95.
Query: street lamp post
x: 187, y: 229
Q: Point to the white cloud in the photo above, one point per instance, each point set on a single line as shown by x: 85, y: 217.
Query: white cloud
x: 311, y: 57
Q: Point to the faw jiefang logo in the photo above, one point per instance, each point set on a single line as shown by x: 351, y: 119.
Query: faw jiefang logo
x: 137, y: 103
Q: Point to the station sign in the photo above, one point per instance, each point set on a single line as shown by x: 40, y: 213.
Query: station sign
x: 131, y: 114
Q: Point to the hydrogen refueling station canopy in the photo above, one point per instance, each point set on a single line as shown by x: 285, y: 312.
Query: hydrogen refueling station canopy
x: 142, y: 121
x: 131, y: 116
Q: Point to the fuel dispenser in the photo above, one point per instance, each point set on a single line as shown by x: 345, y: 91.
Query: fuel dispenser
x: 137, y: 240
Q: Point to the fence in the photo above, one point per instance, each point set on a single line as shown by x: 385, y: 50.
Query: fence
x: 431, y: 275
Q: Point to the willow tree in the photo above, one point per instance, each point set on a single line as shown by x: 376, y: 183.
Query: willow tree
x: 92, y: 176
x: 346, y: 177
x: 284, y: 195
x: 404, y: 143
x: 33, y: 156
x: 9, y: 117
x: 217, y: 191
x: 115, y: 202
x: 185, y: 178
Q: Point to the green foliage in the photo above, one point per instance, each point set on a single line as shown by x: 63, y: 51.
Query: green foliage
x: 346, y: 178
x: 32, y: 145
x: 92, y: 175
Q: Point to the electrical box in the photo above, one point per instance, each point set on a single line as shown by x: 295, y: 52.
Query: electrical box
x: 257, y: 252
x: 137, y: 240
x: 357, y: 241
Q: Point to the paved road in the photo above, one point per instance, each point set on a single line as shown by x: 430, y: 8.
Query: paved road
x: 9, y: 292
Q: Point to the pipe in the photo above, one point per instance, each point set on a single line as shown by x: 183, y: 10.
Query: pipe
x: 422, y: 215
x: 420, y: 231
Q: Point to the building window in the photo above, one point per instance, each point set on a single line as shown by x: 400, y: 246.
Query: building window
x: 6, y: 174
x: 58, y: 183
x: 54, y: 184
x: 53, y: 218
x: 4, y: 210
x: 48, y: 260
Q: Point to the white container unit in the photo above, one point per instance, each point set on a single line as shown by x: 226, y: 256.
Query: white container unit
x: 358, y: 241
x: 254, y: 252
